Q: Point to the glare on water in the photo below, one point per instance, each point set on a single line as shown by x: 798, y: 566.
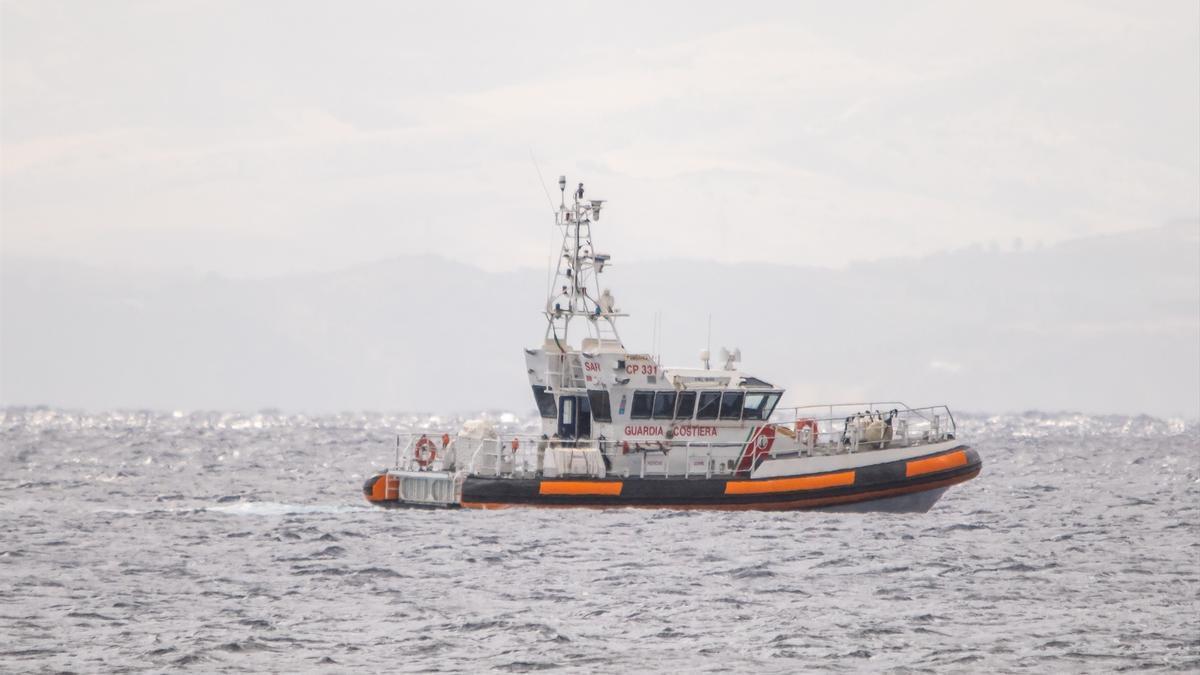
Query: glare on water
x: 241, y: 541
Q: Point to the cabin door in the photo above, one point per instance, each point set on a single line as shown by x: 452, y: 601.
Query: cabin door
x: 574, y: 418
x: 583, y: 427
x: 567, y: 413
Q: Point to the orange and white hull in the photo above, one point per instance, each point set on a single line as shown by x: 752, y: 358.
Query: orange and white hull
x: 905, y: 484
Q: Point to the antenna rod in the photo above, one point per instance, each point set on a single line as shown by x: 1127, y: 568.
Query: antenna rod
x: 654, y: 336
x: 541, y: 181
x: 708, y: 340
x: 660, y: 337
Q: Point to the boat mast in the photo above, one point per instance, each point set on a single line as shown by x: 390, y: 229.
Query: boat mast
x: 578, y: 272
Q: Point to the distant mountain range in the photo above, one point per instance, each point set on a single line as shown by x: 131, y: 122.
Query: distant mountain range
x: 1103, y: 324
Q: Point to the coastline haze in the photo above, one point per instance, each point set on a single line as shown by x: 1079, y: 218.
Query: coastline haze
x: 1101, y: 325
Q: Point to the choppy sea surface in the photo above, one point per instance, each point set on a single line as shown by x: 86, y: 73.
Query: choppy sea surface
x: 211, y: 542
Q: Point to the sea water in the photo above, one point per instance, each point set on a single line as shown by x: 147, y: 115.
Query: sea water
x: 145, y: 541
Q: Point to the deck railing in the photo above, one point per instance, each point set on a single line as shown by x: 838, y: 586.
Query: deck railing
x: 799, y: 431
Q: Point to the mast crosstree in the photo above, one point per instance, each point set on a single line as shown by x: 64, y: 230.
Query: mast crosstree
x: 575, y: 292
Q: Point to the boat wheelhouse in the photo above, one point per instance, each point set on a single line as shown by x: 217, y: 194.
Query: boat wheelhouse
x: 620, y: 429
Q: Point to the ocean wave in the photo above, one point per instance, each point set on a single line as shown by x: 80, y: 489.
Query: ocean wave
x: 241, y: 541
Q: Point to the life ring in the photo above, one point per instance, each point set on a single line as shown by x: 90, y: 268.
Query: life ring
x: 425, y: 452
x: 811, y: 425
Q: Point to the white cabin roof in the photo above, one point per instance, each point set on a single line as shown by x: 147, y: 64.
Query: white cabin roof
x: 602, y: 346
x: 702, y: 376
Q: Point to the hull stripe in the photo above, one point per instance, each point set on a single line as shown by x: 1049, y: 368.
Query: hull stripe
x: 841, y: 486
x: 919, y: 467
x: 754, y: 487
x: 579, y: 487
x: 750, y: 452
x: 786, y: 505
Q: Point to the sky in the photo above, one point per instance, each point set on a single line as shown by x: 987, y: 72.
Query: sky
x: 192, y: 192
x: 255, y: 139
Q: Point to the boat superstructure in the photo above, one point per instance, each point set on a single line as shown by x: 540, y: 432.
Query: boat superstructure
x: 618, y: 428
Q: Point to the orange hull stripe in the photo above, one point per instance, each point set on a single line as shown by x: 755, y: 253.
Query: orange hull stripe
x: 791, y: 505
x: 918, y: 467
x: 579, y: 487
x: 751, y: 487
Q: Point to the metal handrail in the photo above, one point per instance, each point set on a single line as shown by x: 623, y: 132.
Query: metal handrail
x: 808, y: 436
x: 522, y: 437
x: 434, y: 433
x: 643, y: 446
x: 869, y: 405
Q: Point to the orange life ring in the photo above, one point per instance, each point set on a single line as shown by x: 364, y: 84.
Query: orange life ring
x: 425, y: 452
x: 808, y: 424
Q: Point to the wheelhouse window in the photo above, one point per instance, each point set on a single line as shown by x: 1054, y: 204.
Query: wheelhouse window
x: 585, y: 416
x: 772, y: 401
x: 731, y: 405
x: 759, y: 404
x: 685, y: 405
x: 710, y: 404
x: 643, y: 404
x: 545, y: 402
x: 664, y: 405
x: 601, y: 407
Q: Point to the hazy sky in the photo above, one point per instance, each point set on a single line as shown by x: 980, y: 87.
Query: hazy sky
x: 259, y: 138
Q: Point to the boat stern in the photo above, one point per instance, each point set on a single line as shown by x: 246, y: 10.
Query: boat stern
x: 414, y: 489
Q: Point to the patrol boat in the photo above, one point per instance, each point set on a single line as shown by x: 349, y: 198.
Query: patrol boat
x: 619, y: 429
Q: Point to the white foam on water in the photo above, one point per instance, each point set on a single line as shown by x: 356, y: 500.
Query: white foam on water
x: 280, y: 509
